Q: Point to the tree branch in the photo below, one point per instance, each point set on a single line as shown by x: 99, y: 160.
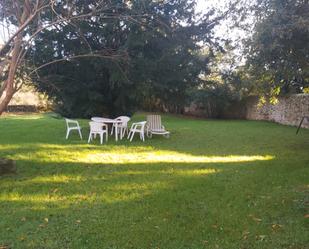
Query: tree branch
x: 119, y: 56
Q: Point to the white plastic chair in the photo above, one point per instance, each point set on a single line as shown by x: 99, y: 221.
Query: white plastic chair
x: 122, y: 127
x: 72, y: 125
x: 98, y: 129
x: 139, y: 128
x: 154, y: 126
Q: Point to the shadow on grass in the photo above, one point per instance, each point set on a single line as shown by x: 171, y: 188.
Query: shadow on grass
x: 139, y: 205
x: 166, y: 205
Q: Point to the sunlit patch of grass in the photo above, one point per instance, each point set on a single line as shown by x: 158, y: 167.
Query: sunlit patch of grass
x: 55, y: 179
x: 61, y: 198
x: 41, y: 199
x: 170, y: 171
x: 33, y: 116
x: 122, y: 155
x: 9, y: 147
x: 197, y: 172
x: 165, y: 157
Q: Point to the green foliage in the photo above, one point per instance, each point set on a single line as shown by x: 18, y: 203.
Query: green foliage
x: 224, y: 84
x: 160, y: 59
x: 278, y: 52
x: 214, y: 98
x: 212, y: 184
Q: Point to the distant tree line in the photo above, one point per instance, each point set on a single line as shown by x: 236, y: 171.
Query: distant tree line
x: 278, y: 50
x: 274, y: 56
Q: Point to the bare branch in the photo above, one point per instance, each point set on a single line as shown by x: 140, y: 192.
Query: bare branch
x: 22, y: 27
x: 114, y: 56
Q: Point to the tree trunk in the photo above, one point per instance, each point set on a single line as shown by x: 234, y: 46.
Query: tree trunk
x: 9, y: 89
x: 14, y: 62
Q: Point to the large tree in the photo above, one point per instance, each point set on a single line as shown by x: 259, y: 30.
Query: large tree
x: 162, y: 45
x: 278, y: 51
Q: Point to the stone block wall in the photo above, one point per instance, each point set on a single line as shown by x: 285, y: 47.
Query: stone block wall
x: 289, y: 110
x: 21, y: 108
x: 28, y: 100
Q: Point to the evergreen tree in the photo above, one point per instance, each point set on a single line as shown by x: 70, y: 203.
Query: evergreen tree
x: 161, y: 43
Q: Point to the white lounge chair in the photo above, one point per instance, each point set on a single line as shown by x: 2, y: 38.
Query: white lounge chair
x: 139, y: 128
x: 154, y: 126
x: 72, y: 125
x: 98, y: 129
x: 122, y: 127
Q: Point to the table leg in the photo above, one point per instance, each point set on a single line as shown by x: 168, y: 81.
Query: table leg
x: 121, y: 135
x: 116, y: 132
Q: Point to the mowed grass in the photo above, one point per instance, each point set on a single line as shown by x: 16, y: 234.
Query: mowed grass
x: 212, y: 184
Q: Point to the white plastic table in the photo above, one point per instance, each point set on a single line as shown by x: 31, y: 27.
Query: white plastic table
x: 109, y: 121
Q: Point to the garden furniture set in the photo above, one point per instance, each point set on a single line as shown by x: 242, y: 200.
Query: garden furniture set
x: 119, y: 127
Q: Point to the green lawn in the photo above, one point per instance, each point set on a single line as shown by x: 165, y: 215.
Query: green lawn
x: 212, y: 184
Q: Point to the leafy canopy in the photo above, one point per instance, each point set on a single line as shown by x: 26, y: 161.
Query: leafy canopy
x: 159, y: 44
x: 278, y: 52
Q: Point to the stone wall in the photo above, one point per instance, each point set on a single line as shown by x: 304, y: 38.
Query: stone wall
x: 28, y: 100
x: 21, y: 108
x: 289, y: 110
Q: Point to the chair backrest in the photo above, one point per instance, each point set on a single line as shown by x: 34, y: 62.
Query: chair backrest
x: 154, y: 122
x: 71, y: 123
x: 124, y: 120
x: 97, y: 127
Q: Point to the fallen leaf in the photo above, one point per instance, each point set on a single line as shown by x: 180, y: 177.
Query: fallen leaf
x: 256, y: 219
x: 83, y: 197
x: 46, y: 220
x: 22, y: 238
x: 276, y: 226
x: 4, y: 247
